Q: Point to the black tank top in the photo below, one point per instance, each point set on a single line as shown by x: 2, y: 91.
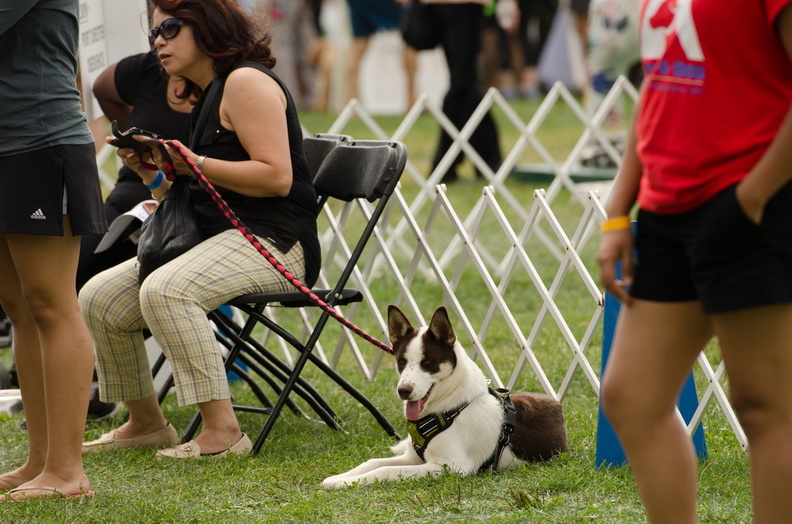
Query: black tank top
x: 282, y: 220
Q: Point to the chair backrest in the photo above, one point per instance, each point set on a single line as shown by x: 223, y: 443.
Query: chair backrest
x: 361, y: 169
x: 318, y: 146
x: 367, y: 169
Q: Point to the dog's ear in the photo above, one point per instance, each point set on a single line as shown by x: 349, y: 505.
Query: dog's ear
x: 440, y: 327
x: 398, y: 325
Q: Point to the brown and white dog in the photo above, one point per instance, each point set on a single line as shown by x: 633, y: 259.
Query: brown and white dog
x: 454, y: 419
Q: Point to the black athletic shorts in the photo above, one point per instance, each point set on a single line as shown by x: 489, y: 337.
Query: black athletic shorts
x: 579, y: 7
x: 715, y: 254
x: 32, y: 192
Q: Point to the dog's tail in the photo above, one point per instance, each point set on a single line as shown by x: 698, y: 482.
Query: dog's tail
x: 540, y: 431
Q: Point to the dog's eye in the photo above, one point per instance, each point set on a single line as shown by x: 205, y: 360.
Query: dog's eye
x: 401, y: 362
x: 426, y: 363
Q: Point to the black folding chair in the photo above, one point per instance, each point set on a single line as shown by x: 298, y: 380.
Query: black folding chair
x: 350, y: 170
x: 316, y: 149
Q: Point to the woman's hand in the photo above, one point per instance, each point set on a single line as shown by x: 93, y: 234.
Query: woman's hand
x: 751, y: 203
x: 180, y: 167
x: 130, y: 158
x: 617, y: 246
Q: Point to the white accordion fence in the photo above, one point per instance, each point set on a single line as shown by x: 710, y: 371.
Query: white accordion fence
x: 512, y: 273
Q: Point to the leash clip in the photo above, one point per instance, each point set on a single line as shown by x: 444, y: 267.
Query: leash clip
x: 127, y: 139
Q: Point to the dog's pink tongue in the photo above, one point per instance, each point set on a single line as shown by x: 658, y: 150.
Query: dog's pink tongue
x: 412, y: 409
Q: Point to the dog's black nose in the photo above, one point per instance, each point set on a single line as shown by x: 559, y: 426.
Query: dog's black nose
x: 405, y: 391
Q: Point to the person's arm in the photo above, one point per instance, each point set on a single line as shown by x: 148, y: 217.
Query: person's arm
x: 106, y: 94
x: 11, y: 11
x: 254, y: 107
x: 772, y: 170
x: 617, y: 244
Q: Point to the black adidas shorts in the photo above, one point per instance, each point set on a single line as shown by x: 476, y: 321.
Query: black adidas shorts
x: 715, y: 254
x: 32, y: 191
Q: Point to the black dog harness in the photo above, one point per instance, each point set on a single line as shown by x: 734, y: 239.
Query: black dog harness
x: 423, y: 430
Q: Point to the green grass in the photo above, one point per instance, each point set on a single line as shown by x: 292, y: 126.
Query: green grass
x: 281, y: 484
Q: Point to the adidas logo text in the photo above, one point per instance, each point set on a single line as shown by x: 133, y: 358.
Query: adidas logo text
x: 38, y: 215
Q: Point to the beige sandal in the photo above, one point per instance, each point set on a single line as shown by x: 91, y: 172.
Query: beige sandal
x: 193, y: 450
x: 165, y: 437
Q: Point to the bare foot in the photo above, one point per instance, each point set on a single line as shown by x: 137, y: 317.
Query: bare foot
x: 215, y: 442
x: 131, y: 430
x: 14, y: 479
x: 47, y: 486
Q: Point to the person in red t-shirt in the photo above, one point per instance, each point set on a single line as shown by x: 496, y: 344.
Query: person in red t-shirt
x: 708, y: 162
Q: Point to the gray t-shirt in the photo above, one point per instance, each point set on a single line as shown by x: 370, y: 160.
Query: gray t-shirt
x: 39, y: 100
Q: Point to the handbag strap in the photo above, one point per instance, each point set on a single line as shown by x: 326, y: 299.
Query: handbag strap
x: 203, y: 116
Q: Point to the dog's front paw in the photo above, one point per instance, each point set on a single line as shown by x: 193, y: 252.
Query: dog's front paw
x: 334, y: 482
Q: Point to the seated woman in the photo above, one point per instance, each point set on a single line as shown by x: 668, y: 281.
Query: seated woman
x: 251, y: 151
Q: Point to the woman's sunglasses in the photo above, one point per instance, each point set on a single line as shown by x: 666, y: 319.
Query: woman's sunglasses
x: 168, y: 29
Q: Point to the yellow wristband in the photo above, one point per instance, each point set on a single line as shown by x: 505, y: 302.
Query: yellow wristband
x: 616, y: 224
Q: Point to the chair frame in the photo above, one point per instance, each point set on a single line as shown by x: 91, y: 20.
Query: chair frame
x: 379, y: 177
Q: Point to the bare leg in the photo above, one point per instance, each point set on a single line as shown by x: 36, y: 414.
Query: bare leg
x: 220, y: 426
x: 654, y: 349
x: 55, y: 373
x: 410, y: 69
x: 759, y: 368
x: 321, y: 56
x: 27, y: 356
x: 356, y: 52
x: 145, y: 417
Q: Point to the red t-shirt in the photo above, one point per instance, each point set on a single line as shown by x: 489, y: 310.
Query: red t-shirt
x: 718, y: 84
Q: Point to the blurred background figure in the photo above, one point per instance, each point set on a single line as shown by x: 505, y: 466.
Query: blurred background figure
x: 460, y: 25
x: 135, y: 92
x: 523, y: 27
x: 299, y: 47
x: 320, y: 58
x: 612, y: 50
x: 369, y: 17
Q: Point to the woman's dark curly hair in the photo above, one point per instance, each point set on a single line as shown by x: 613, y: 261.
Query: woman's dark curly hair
x: 223, y: 31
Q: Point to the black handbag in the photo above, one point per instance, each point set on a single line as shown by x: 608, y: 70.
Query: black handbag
x: 174, y: 228
x: 417, y: 28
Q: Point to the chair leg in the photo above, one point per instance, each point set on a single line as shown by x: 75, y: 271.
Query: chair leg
x: 274, y: 366
x: 287, y: 389
x: 284, y: 369
x: 253, y: 365
x: 281, y: 371
x: 165, y: 388
x: 357, y: 395
x: 326, y: 415
x: 252, y: 384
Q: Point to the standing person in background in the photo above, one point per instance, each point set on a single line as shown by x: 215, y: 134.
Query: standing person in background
x: 293, y: 36
x: 250, y: 150
x: 49, y: 195
x: 580, y: 10
x: 612, y: 50
x: 522, y: 34
x: 459, y: 25
x: 713, y: 246
x: 136, y: 92
x: 321, y: 56
x: 368, y: 17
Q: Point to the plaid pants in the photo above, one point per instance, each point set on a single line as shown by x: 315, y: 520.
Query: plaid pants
x: 172, y: 303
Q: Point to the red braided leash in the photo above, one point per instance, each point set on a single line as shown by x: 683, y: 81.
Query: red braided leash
x: 248, y: 234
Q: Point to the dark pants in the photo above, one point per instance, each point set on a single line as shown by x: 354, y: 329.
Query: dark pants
x: 123, y: 197
x: 542, y: 12
x: 460, y: 34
